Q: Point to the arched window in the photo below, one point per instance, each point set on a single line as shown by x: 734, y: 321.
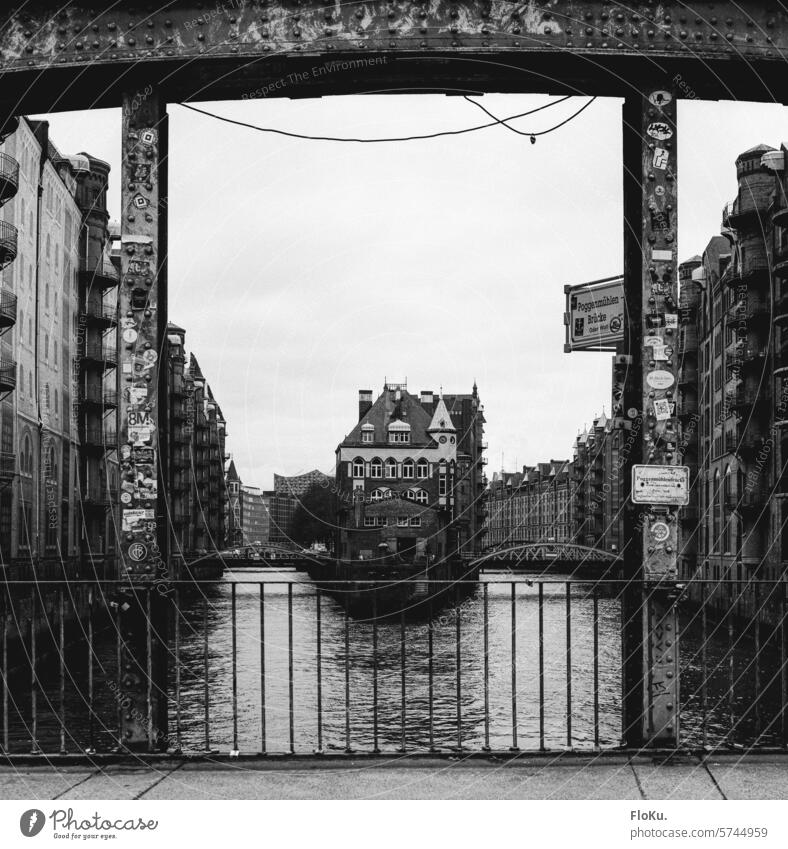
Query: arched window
x: 422, y: 469
x: 27, y: 456
x: 419, y: 495
x: 358, y: 468
x: 391, y: 468
x: 378, y: 494
x: 376, y: 468
x: 408, y: 469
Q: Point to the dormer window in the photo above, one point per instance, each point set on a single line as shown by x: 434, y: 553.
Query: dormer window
x: 399, y: 431
x: 367, y: 432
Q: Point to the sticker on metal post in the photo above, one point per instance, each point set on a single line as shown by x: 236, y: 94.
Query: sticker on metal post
x: 660, y: 485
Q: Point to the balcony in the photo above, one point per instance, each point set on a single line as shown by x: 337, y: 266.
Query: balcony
x: 688, y: 375
x: 102, y: 274
x: 7, y: 466
x: 687, y: 402
x: 745, y: 209
x: 740, y: 394
x: 100, y: 439
x: 7, y: 309
x: 9, y: 178
x: 747, y: 310
x: 95, y: 497
x: 8, y: 243
x: 101, y: 315
x: 7, y: 375
x: 99, y: 397
x: 98, y: 352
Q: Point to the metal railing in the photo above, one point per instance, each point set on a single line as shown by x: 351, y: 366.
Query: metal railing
x: 7, y: 375
x: 8, y: 243
x: 280, y: 666
x: 9, y: 177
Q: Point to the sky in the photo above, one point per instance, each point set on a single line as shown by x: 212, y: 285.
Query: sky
x: 304, y: 271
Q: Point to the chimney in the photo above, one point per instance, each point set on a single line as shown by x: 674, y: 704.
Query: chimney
x: 364, y: 402
x: 427, y: 400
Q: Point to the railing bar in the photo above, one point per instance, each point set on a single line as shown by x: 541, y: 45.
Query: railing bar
x: 704, y: 664
x: 596, y: 668
x: 568, y: 665
x: 486, y: 670
x: 62, y: 669
x: 119, y: 675
x: 91, y: 703
x: 430, y: 680
x: 262, y: 669
x: 541, y: 666
x: 783, y: 671
x: 290, y: 665
x: 513, y: 618
x: 375, y: 748
x: 6, y: 619
x: 177, y: 616
x: 347, y: 681
x: 206, y: 702
x: 402, y: 678
x: 757, y: 658
x: 149, y: 667
x: 319, y: 671
x: 458, y: 660
x: 33, y: 674
x: 233, y: 625
x: 730, y: 663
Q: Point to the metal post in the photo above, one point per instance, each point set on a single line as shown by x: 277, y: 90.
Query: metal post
x: 648, y: 416
x: 143, y: 419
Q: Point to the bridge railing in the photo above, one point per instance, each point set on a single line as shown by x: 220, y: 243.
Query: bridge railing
x: 263, y: 667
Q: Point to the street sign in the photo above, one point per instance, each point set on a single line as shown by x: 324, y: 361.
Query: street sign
x: 668, y: 485
x: 594, y: 316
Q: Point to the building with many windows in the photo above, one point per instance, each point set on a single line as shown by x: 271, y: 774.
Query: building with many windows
x: 198, y: 493
x: 733, y: 385
x: 297, y: 485
x: 58, y: 355
x: 410, y: 475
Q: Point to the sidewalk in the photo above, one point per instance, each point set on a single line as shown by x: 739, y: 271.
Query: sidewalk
x: 724, y: 776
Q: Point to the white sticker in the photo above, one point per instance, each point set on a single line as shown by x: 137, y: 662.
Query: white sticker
x: 148, y: 137
x: 672, y: 320
x: 140, y: 435
x: 660, y: 379
x: 150, y: 356
x: 127, y: 368
x: 659, y: 130
x: 130, y: 335
x: 125, y: 497
x: 652, y: 340
x: 660, y: 531
x: 659, y: 255
x: 132, y: 517
x: 660, y: 353
x: 660, y: 98
x: 659, y: 191
x: 662, y: 410
x: 138, y: 394
x: 660, y: 159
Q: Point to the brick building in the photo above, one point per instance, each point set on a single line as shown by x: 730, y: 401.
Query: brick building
x: 532, y: 506
x: 197, y: 434
x: 733, y: 386
x: 410, y: 474
x: 58, y: 350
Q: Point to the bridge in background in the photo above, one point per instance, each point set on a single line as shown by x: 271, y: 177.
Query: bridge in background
x: 558, y: 555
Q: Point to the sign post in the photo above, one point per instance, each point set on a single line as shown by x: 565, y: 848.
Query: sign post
x: 655, y: 486
x: 594, y: 316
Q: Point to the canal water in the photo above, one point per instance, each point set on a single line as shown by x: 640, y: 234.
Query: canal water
x: 330, y: 698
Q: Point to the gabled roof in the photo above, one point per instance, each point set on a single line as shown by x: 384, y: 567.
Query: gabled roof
x: 232, y: 473
x: 381, y: 414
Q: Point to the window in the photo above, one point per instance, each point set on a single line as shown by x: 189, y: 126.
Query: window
x: 358, y: 468
x: 415, y: 522
x: 716, y: 509
x: 422, y: 469
x: 391, y: 468
x: 376, y: 468
x: 46, y: 347
x: 378, y: 494
x: 408, y: 469
x: 442, y: 485
x: 375, y: 521
x: 402, y: 521
x: 21, y: 379
x: 366, y: 435
x: 419, y: 495
x: 399, y: 436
